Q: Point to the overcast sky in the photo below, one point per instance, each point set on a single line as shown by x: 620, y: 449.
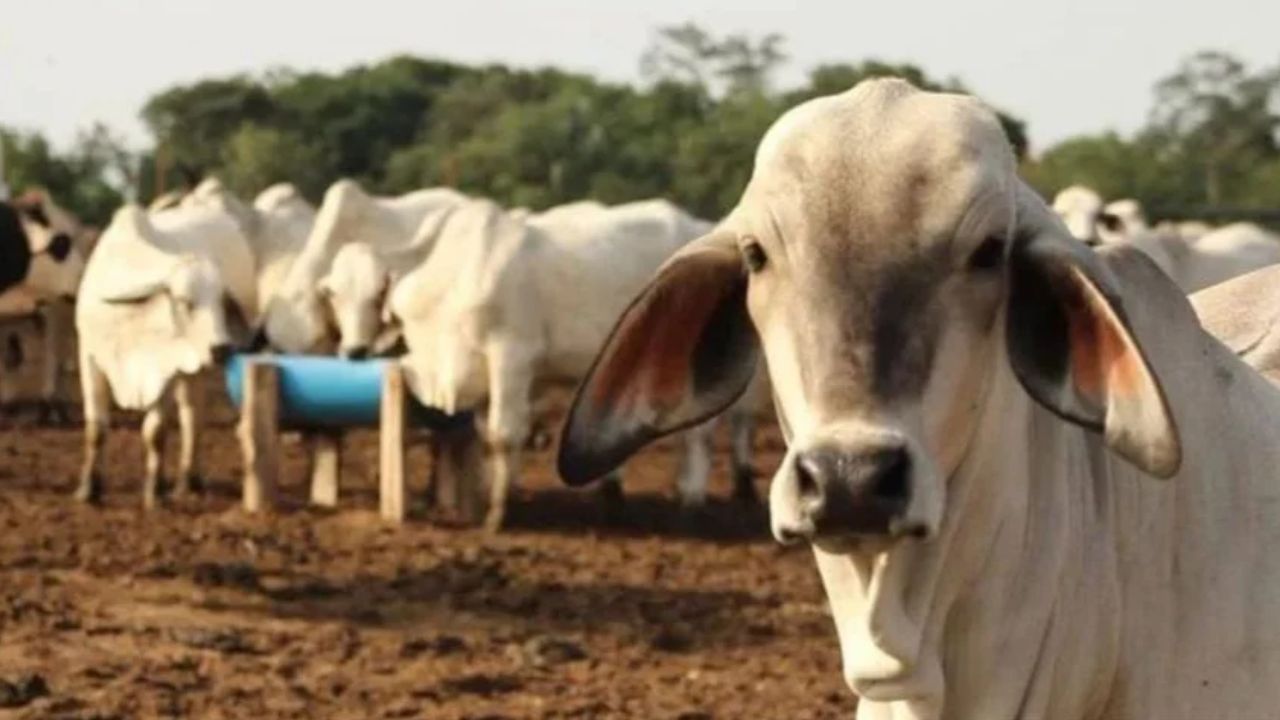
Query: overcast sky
x: 1067, y: 67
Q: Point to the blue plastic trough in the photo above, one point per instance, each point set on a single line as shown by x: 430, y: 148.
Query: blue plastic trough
x: 330, y: 392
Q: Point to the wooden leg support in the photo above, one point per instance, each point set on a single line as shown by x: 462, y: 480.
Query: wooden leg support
x: 391, y: 476
x: 260, y: 435
x: 326, y: 458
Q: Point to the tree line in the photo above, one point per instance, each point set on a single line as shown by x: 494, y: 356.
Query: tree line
x: 537, y: 138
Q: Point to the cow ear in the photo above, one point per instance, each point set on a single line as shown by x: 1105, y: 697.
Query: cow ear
x: 1072, y: 348
x: 682, y: 352
x: 138, y: 293
x: 238, y: 326
x: 15, y: 251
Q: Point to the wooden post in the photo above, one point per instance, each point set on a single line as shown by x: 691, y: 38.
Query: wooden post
x: 260, y: 435
x: 392, y: 500
x: 326, y: 459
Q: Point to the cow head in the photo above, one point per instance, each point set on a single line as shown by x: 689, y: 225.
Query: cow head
x: 355, y: 290
x: 189, y: 306
x: 892, y: 269
x: 57, y: 262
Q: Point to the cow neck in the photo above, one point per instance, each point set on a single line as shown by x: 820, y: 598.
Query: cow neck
x: 958, y: 626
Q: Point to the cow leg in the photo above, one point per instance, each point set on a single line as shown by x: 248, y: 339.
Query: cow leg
x: 510, y: 381
x: 153, y: 435
x: 58, y: 328
x: 695, y: 465
x: 97, y: 418
x: 458, y: 471
x: 189, y: 417
x: 742, y: 430
x: 13, y: 360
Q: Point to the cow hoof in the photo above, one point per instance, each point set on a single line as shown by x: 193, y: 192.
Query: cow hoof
x: 744, y: 488
x: 89, y: 494
x: 189, y: 486
x: 612, y: 500
x: 49, y: 414
x: 493, y: 522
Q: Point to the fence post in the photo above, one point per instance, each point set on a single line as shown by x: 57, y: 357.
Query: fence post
x: 260, y: 435
x: 391, y: 444
x: 326, y: 459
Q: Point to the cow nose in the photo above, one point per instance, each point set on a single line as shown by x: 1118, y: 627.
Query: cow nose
x: 221, y: 352
x: 359, y: 352
x: 842, y: 493
x: 259, y: 343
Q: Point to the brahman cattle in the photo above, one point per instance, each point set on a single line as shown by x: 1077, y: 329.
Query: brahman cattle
x: 1034, y: 486
x: 44, y: 297
x: 506, y: 303
x: 297, y: 317
x: 1193, y: 259
x: 164, y: 297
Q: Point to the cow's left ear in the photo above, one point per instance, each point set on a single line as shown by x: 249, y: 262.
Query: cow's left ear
x: 682, y: 352
x: 1072, y: 347
x: 15, y: 251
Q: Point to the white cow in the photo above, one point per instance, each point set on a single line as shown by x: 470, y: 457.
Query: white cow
x: 296, y: 319
x: 163, y: 298
x: 1034, y: 486
x: 285, y: 220
x: 46, y: 295
x: 504, y: 303
x: 276, y: 225
x: 1244, y: 313
x: 1193, y: 261
x: 357, y: 288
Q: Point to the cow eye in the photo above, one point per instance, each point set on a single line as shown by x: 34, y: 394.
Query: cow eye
x: 989, y: 254
x: 753, y: 255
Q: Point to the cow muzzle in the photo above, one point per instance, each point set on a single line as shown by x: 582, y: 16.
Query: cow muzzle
x: 829, y: 493
x: 221, y: 352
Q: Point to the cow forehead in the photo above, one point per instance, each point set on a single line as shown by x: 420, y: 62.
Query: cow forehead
x: 882, y: 163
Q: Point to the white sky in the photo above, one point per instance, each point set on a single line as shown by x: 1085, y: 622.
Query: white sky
x: 1067, y: 67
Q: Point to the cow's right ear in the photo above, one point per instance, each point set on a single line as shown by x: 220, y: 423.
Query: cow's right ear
x: 139, y: 293
x: 14, y: 248
x: 682, y: 352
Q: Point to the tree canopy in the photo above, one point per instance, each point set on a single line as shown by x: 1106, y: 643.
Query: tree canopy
x: 539, y: 137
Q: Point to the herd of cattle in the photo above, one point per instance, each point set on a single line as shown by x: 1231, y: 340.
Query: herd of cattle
x: 483, y: 304
x: 1039, y: 479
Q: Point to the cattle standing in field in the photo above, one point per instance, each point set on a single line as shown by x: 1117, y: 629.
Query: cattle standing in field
x: 1034, y: 486
x: 164, y: 297
x: 296, y: 318
x: 1194, y: 258
x: 505, y: 304
x: 45, y: 296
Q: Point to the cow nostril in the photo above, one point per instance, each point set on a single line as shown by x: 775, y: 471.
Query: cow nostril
x: 808, y: 476
x: 892, y: 479
x: 793, y: 536
x: 357, y: 353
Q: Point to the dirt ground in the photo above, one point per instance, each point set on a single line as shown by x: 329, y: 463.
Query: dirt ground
x: 198, y: 610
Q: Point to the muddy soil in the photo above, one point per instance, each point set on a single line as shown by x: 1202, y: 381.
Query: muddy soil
x: 197, y: 610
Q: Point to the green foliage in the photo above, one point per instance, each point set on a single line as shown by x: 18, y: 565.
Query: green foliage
x: 537, y: 138
x: 1211, y: 141
x: 78, y: 180
x: 194, y: 122
x: 256, y: 157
